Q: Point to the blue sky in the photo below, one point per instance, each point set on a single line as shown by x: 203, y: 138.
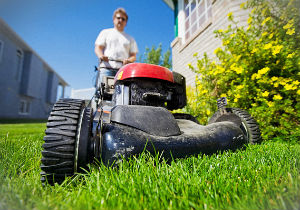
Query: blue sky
x: 63, y: 32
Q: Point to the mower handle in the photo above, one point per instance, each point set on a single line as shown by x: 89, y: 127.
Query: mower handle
x: 111, y: 59
x: 97, y: 68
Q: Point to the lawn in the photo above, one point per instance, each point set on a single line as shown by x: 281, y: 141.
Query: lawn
x: 262, y: 176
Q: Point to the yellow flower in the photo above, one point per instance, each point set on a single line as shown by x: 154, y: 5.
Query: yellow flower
x: 270, y: 103
x: 268, y: 46
x: 239, y: 87
x: 290, y: 31
x: 276, y: 49
x: 220, y: 69
x: 205, y: 91
x: 289, y: 87
x: 298, y: 92
x: 274, y: 79
x: 237, y: 58
x: 226, y: 42
x: 265, y: 94
x: 291, y: 55
x: 265, y: 20
x: 265, y: 33
x: 289, y: 24
x: 283, y: 82
x: 238, y: 96
x: 263, y: 70
x: 258, y: 76
x: 223, y: 95
x: 277, y: 97
x: 254, y: 50
x: 235, y: 100
x: 242, y: 5
x: 249, y: 20
x: 229, y: 15
x: 208, y: 112
x: 239, y: 70
x: 271, y: 36
x: 296, y: 83
x: 217, y: 50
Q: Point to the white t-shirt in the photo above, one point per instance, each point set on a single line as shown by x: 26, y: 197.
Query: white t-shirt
x: 117, y: 46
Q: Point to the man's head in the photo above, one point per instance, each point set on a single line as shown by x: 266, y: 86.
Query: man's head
x: 120, y: 18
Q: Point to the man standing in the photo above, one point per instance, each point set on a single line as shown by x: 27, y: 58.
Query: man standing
x: 114, y: 47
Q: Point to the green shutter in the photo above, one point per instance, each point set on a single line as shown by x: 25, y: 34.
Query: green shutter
x: 176, y: 17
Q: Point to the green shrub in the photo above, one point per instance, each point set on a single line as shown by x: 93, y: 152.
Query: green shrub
x: 257, y: 68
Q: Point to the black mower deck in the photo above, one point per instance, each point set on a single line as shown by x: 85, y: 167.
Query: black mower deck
x: 130, y: 133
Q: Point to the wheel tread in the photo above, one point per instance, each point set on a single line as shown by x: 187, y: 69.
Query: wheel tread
x: 57, y: 160
x: 251, y: 124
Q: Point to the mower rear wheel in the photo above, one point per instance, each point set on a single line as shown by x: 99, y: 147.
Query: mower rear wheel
x: 59, y: 156
x: 243, y: 119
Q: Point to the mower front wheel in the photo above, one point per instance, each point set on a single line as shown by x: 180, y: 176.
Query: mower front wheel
x: 243, y: 119
x: 67, y: 140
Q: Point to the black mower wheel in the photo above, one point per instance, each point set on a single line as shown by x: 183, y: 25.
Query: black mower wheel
x: 243, y: 119
x: 68, y: 123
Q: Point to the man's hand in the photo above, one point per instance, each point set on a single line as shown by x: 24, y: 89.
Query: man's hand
x: 126, y: 61
x: 104, y: 58
x: 131, y: 59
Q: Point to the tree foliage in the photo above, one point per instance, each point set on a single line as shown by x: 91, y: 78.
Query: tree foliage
x: 257, y: 68
x: 155, y: 56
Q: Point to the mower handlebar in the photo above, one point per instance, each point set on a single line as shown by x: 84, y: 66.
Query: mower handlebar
x: 97, y: 68
x: 111, y: 59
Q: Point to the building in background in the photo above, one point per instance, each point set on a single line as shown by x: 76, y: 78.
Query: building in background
x: 195, y: 22
x: 28, y: 85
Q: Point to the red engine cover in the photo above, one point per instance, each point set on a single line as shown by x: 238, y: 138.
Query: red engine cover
x: 134, y: 70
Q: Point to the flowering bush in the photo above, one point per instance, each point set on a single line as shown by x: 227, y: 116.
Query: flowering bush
x: 257, y: 68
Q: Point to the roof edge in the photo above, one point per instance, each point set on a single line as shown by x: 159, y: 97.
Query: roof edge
x: 170, y: 3
x: 16, y: 37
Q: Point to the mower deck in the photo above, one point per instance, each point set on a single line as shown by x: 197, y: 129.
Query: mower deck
x: 121, y: 141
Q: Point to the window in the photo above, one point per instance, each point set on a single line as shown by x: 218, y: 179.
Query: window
x: 197, y: 13
x: 1, y: 49
x: 24, y: 107
x: 19, y: 65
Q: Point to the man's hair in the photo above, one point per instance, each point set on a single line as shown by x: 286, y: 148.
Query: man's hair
x: 122, y: 11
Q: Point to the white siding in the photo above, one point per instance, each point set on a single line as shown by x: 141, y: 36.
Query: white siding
x: 203, y: 41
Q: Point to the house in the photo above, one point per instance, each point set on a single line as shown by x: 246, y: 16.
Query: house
x: 28, y: 85
x: 195, y: 22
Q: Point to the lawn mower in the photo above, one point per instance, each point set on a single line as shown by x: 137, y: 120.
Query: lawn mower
x: 133, y: 115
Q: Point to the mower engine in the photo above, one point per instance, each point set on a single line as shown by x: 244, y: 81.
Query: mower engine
x: 138, y: 84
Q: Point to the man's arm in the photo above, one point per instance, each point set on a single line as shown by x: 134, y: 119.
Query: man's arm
x: 99, y: 50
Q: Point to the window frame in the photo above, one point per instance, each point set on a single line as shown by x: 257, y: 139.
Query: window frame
x: 195, y: 18
x: 20, y: 60
x: 1, y: 49
x: 24, y: 107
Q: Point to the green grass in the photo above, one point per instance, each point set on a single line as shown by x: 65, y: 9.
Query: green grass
x: 262, y: 176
